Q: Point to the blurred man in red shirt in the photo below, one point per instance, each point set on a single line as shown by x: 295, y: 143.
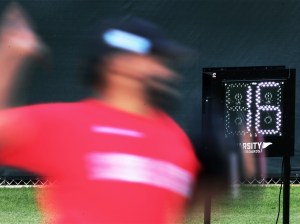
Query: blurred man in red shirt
x: 116, y: 157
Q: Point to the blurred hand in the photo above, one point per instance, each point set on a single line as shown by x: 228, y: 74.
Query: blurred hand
x: 248, y: 159
x: 17, y: 38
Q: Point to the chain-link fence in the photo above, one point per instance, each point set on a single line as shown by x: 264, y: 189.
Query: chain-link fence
x: 21, y: 182
x: 37, y: 182
x: 267, y: 181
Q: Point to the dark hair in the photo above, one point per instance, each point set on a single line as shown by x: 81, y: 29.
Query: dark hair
x: 91, y: 76
x: 93, y: 69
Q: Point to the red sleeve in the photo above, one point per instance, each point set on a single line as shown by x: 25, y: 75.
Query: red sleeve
x: 195, y: 164
x: 21, y: 139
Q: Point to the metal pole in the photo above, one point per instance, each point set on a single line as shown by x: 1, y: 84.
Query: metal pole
x: 207, y: 126
x: 286, y: 189
x: 207, y: 209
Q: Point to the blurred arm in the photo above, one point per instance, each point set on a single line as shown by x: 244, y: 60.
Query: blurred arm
x: 17, y: 42
x: 9, y: 68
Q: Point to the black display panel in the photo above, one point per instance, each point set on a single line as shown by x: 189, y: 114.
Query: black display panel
x: 254, y: 107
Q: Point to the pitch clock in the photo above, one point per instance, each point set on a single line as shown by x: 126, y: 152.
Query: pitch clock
x: 252, y: 106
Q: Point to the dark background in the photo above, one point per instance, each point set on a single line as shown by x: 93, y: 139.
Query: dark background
x: 226, y: 34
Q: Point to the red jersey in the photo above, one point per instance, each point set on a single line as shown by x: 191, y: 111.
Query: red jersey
x: 110, y: 166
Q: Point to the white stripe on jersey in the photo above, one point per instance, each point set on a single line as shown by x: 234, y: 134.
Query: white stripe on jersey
x: 139, y: 169
x: 117, y: 131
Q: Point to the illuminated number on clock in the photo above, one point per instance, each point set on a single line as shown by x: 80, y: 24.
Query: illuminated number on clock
x: 238, y: 98
x: 268, y: 114
x: 253, y: 108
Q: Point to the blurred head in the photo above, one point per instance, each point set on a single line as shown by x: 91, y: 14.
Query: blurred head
x: 133, y: 53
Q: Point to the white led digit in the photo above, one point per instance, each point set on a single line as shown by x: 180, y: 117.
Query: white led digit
x: 238, y: 100
x: 268, y: 113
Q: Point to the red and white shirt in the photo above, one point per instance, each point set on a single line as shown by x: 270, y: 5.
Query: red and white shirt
x: 110, y: 166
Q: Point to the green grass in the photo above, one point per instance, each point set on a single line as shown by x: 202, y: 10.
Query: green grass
x: 255, y: 205
x: 17, y: 205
